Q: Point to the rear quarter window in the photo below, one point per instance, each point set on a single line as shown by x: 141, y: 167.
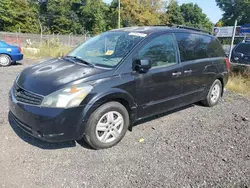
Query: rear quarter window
x: 195, y: 46
x: 215, y: 49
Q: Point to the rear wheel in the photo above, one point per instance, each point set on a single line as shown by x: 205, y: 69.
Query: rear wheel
x: 214, y: 94
x: 5, y: 60
x: 107, y: 125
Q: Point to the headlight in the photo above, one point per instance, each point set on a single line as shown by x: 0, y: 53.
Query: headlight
x: 67, y: 97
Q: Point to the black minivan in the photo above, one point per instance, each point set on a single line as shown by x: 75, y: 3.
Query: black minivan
x: 98, y: 90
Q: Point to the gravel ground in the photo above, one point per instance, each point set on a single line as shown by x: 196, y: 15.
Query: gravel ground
x: 192, y: 147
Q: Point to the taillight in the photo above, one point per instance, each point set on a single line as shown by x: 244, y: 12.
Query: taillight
x: 227, y: 63
x: 20, y: 49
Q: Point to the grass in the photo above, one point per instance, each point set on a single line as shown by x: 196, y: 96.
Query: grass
x: 239, y: 84
x: 45, y: 50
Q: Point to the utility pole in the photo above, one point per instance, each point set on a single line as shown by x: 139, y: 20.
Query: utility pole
x: 119, y: 13
x: 41, y: 28
x: 232, y: 43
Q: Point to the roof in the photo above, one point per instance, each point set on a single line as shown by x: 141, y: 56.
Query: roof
x: 144, y: 29
x: 155, y: 29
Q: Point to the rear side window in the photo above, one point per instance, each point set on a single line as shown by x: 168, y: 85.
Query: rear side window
x: 195, y: 46
x: 243, y: 48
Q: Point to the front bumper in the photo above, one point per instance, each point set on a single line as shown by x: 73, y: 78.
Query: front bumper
x: 48, y: 124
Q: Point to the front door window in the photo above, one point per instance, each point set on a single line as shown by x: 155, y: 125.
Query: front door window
x: 161, y: 50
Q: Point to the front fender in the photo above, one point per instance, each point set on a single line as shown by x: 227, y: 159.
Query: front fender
x: 115, y: 94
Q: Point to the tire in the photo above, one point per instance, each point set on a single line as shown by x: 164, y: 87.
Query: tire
x: 5, y: 60
x: 107, y: 126
x: 214, y: 94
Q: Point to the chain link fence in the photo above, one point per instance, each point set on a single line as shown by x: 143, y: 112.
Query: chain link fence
x: 25, y: 39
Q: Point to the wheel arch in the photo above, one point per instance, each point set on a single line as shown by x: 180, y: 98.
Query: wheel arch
x: 116, y: 95
x: 7, y: 55
x: 220, y: 78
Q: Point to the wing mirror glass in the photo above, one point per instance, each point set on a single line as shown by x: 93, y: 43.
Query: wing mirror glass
x: 142, y: 65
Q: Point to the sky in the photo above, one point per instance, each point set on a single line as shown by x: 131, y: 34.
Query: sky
x: 208, y: 6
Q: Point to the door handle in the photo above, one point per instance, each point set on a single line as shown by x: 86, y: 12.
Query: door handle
x: 188, y: 71
x: 176, y: 73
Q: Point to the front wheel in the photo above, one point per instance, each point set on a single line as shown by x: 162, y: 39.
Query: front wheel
x: 107, y: 125
x: 214, y: 94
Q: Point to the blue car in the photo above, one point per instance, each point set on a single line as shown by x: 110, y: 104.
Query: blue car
x: 9, y: 54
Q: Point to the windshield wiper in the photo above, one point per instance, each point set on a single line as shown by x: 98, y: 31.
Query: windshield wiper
x: 81, y: 60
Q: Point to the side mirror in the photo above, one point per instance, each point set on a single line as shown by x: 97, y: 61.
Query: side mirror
x: 143, y: 65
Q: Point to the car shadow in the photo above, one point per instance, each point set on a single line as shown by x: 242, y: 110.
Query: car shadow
x: 36, y: 142
x: 16, y: 64
x: 84, y: 144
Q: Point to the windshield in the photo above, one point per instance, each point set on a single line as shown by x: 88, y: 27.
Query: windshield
x: 107, y: 49
x: 243, y: 48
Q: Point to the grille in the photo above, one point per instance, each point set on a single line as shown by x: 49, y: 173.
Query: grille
x: 26, y: 97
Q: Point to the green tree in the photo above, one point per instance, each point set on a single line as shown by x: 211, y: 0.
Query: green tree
x: 5, y: 19
x: 194, y: 17
x: 174, y: 13
x: 74, y: 16
x: 59, y: 17
x: 188, y: 14
x: 18, y: 15
x: 235, y: 9
x: 138, y: 12
x: 112, y: 16
x: 94, y: 16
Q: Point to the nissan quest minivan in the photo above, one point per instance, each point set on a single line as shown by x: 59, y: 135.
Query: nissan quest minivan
x: 103, y: 86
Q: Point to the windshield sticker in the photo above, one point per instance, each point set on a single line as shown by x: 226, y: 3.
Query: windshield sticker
x: 138, y: 34
x: 109, y: 52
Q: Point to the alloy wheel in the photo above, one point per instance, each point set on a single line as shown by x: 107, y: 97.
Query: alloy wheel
x: 109, y: 127
x: 215, y: 94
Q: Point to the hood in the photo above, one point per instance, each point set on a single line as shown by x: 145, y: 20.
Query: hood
x: 49, y: 76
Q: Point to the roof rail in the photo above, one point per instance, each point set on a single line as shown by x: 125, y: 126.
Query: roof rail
x: 191, y: 28
x: 185, y: 27
x: 163, y: 25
